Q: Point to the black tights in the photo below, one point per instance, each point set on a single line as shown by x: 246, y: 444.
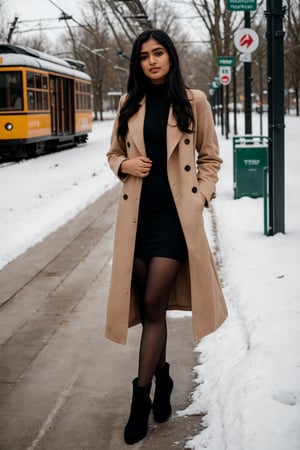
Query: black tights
x: 153, y: 278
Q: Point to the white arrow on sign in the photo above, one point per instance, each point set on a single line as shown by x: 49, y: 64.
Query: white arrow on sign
x: 246, y: 40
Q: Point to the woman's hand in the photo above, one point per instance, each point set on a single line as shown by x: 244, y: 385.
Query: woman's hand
x: 138, y: 167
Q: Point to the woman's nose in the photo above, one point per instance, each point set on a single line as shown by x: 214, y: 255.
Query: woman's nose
x: 151, y: 59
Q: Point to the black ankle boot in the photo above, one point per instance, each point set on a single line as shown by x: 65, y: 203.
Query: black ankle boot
x: 137, y: 425
x: 161, y: 404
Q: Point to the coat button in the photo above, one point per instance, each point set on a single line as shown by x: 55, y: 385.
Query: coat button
x: 187, y: 141
x: 128, y: 144
x: 194, y: 189
x: 125, y: 197
x: 187, y: 168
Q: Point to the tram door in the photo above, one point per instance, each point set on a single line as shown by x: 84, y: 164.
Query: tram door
x: 62, y: 105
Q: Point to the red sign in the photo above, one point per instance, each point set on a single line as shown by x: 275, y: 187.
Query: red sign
x: 246, y: 40
x: 225, y: 75
x: 225, y: 79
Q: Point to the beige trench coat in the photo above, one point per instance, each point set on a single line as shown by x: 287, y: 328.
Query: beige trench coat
x: 193, y: 163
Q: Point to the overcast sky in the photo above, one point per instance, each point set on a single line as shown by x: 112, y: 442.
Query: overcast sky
x: 29, y: 13
x: 33, y: 10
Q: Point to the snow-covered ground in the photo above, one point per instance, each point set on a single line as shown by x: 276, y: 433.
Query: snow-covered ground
x: 39, y: 195
x: 249, y: 370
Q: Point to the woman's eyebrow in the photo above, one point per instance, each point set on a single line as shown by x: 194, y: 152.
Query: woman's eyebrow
x: 153, y: 50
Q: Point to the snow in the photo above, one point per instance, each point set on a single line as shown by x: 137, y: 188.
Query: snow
x: 249, y: 370
x: 248, y: 377
x: 50, y: 190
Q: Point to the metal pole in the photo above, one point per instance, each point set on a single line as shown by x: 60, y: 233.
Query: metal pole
x: 226, y: 112
x: 222, y: 108
x: 217, y: 105
x: 247, y: 85
x: 214, y: 102
x: 234, y: 100
x: 270, y: 113
x: 12, y: 29
x: 275, y: 34
x: 261, y: 100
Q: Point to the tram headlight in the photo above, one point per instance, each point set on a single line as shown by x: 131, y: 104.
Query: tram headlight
x: 8, y: 126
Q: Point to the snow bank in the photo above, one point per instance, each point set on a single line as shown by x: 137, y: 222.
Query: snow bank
x: 249, y: 370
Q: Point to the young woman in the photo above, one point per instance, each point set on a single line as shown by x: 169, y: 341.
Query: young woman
x: 164, y: 149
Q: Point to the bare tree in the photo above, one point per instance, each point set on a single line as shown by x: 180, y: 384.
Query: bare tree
x: 38, y: 41
x: 292, y: 49
x: 6, y: 28
x: 94, y: 46
x: 220, y: 26
x: 124, y: 18
x: 259, y: 58
x: 3, y: 22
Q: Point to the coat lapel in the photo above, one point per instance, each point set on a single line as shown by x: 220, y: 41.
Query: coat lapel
x: 136, y: 130
x: 136, y: 127
x: 173, y: 133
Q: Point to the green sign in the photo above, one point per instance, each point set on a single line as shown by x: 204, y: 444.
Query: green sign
x: 226, y: 61
x: 216, y: 82
x: 241, y: 5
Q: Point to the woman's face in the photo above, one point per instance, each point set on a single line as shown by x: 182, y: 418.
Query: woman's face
x: 155, y: 61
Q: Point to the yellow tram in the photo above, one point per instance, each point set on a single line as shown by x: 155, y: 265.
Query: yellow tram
x: 45, y: 103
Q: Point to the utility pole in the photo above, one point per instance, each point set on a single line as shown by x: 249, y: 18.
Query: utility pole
x: 234, y: 101
x: 12, y: 28
x: 247, y: 85
x: 64, y: 16
x: 275, y: 34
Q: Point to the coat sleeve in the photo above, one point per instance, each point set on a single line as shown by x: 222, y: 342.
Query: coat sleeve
x: 208, y: 160
x: 117, y: 152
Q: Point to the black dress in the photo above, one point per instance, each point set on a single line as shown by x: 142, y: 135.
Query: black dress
x: 159, y: 231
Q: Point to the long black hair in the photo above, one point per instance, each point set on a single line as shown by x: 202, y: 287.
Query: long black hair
x: 138, y: 82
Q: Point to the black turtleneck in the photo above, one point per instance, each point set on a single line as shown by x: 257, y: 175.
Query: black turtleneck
x: 156, y: 194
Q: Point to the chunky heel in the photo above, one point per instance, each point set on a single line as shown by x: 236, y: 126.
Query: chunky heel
x: 163, y: 388
x: 137, y: 426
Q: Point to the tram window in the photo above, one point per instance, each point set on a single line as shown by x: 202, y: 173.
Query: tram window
x: 45, y: 100
x: 39, y: 102
x: 38, y: 81
x: 30, y: 98
x: 38, y: 96
x: 30, y: 79
x: 83, y: 96
x: 11, y: 91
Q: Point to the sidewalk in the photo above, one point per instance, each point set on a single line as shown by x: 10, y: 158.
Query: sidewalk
x: 63, y: 386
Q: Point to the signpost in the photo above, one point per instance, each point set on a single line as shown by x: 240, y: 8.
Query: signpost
x: 246, y: 40
x: 275, y: 38
x: 241, y: 5
x: 226, y: 61
x: 225, y: 64
x: 225, y: 75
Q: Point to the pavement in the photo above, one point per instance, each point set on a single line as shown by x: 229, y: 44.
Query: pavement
x: 63, y: 386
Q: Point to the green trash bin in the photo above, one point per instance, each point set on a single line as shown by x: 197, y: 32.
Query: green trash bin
x: 250, y: 158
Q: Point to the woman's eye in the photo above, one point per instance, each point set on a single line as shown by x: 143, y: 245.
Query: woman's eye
x: 158, y: 53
